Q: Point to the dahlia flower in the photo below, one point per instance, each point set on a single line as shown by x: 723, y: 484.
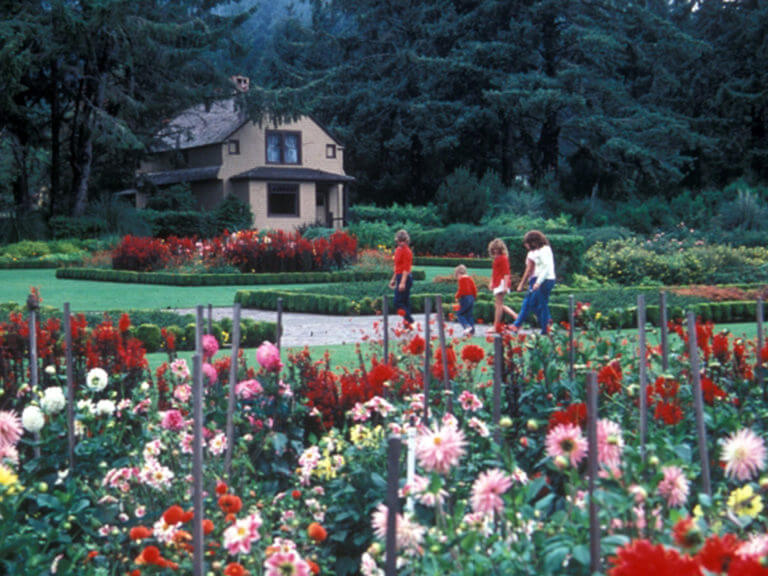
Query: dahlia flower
x: 487, y: 491
x: 743, y: 455
x: 674, y: 486
x: 10, y: 428
x: 567, y: 441
x: 440, y: 449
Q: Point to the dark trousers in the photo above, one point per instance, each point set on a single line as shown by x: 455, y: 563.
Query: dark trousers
x: 403, y: 298
x: 466, y: 313
x: 537, y: 301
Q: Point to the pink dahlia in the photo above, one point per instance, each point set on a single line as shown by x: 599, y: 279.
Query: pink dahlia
x: 286, y: 564
x: 409, y: 534
x: 268, y: 356
x: 240, y: 535
x: 610, y: 443
x: 440, y: 449
x: 743, y: 455
x: 487, y: 491
x: 248, y: 389
x: 566, y: 440
x: 674, y: 486
x: 210, y: 346
x: 173, y: 420
x: 210, y: 373
x: 10, y: 428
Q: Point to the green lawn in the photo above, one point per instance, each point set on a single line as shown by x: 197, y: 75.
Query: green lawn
x: 86, y: 296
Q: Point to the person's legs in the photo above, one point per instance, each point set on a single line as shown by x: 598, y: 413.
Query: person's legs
x: 461, y: 314
x: 407, y: 298
x: 498, y: 311
x: 542, y: 308
x: 527, y: 306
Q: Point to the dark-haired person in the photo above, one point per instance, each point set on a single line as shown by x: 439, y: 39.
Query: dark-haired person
x: 540, y: 274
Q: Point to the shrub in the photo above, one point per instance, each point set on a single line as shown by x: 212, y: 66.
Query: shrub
x: 150, y: 336
x: 140, y: 254
x: 744, y: 212
x: 179, y: 223
x: 77, y: 227
x: 373, y: 234
x: 460, y: 198
x: 396, y: 215
x: 232, y: 215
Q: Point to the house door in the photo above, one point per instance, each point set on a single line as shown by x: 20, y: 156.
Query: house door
x: 323, y: 215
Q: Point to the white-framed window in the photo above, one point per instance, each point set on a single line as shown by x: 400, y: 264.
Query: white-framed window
x: 283, y: 147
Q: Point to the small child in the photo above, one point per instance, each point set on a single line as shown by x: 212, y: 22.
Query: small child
x: 465, y: 296
x: 402, y: 280
x: 500, y: 282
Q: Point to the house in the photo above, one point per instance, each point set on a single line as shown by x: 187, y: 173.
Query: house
x: 290, y: 173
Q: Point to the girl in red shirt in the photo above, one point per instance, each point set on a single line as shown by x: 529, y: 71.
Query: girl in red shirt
x: 402, y: 280
x: 500, y: 282
x: 465, y: 296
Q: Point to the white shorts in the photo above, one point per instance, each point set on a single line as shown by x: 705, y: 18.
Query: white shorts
x: 501, y: 288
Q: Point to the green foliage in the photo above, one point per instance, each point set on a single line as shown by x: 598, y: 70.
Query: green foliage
x: 461, y: 198
x: 747, y: 211
x: 177, y: 197
x: 397, y: 215
x: 77, y: 227
x: 150, y: 336
x: 567, y: 249
x: 373, y: 234
x: 232, y: 214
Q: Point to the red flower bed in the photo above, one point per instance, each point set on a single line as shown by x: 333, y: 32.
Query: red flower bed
x: 141, y: 254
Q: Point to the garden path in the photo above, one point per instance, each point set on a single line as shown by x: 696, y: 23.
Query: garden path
x: 320, y: 330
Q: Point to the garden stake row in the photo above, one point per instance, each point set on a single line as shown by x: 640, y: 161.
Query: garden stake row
x: 410, y: 467
x: 663, y: 327
x: 427, y: 358
x: 70, y: 389
x: 592, y: 456
x: 232, y: 384
x: 571, y: 349
x: 385, y: 315
x: 641, y: 348
x: 197, y: 464
x: 393, y: 485
x: 498, y: 357
x: 698, y: 403
x: 279, y: 327
x: 443, y: 354
x: 759, y: 364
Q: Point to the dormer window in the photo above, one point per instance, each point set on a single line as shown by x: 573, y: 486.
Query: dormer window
x: 283, y: 147
x: 233, y: 147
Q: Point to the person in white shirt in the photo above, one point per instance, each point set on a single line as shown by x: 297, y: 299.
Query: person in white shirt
x: 540, y: 274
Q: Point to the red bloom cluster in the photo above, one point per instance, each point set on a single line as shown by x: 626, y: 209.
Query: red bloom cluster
x: 472, y: 354
x: 609, y: 378
x: 416, y: 345
x: 663, y: 398
x: 141, y: 254
x: 437, y: 365
x: 575, y: 414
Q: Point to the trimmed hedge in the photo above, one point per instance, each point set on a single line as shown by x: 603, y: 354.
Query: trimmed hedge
x: 232, y: 279
x: 568, y: 250
x: 452, y: 261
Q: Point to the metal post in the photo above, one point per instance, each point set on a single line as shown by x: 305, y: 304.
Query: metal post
x: 232, y: 385
x: 663, y: 331
x: 70, y: 387
x: 197, y: 465
x: 33, y: 375
x: 393, y: 481
x: 210, y: 319
x: 443, y: 352
x: 698, y: 403
x: 594, y: 522
x: 498, y: 366
x: 571, y: 348
x: 385, y: 316
x: 641, y: 348
x: 279, y: 329
x: 199, y: 330
x: 427, y: 359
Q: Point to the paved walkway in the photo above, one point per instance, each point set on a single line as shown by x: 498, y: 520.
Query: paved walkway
x: 320, y: 330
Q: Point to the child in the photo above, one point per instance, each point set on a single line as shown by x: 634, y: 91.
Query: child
x: 401, y: 279
x: 500, y: 282
x: 540, y: 268
x: 465, y: 296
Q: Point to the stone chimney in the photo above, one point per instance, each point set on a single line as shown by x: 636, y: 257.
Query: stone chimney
x: 242, y: 83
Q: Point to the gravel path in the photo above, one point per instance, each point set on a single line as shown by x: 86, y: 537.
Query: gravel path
x: 319, y: 330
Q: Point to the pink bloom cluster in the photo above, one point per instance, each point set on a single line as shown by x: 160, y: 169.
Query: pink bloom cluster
x: 487, y: 491
x: 268, y: 356
x: 743, y: 455
x: 566, y: 441
x: 240, y: 535
x: 439, y: 450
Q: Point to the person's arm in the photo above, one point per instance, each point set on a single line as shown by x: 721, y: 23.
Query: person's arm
x: 529, y: 268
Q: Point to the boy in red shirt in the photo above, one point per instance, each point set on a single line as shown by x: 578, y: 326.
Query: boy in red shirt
x: 465, y: 296
x: 402, y: 280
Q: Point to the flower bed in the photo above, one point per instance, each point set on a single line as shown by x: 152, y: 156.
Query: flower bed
x: 307, y: 482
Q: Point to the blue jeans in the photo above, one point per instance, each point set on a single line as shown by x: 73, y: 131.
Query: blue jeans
x: 466, y: 313
x: 536, y: 301
x: 403, y: 299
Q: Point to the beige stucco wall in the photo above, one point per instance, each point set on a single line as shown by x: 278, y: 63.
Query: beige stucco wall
x: 257, y: 196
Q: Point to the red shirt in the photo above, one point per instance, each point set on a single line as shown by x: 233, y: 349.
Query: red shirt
x: 500, y: 270
x: 466, y: 287
x: 403, y: 259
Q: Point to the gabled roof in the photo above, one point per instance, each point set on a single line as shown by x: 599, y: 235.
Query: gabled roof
x: 183, y: 175
x: 300, y: 174
x: 201, y: 126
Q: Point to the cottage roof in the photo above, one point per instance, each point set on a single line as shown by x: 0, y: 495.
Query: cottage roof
x: 184, y: 175
x: 300, y: 174
x: 201, y: 125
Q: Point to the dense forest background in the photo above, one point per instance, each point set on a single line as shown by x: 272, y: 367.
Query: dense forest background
x: 609, y: 111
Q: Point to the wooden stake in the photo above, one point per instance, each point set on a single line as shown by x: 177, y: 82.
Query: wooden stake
x: 443, y: 352
x: 427, y: 359
x: 594, y: 522
x: 33, y: 374
x: 210, y: 319
x: 199, y: 331
x: 232, y: 384
x: 759, y: 363
x: 393, y: 485
x: 197, y: 464
x: 641, y: 347
x: 663, y: 331
x: 279, y: 329
x: 385, y: 317
x: 698, y: 402
x: 571, y: 347
x: 70, y: 388
x: 498, y: 366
